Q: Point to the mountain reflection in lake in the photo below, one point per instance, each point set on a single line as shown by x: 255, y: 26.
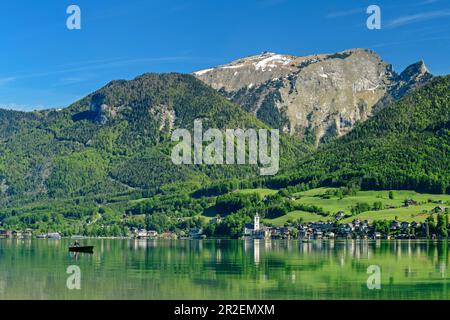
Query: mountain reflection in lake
x: 224, y: 269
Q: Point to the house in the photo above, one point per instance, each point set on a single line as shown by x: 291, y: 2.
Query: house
x: 17, y: 234
x: 349, y: 227
x: 285, y: 232
x: 340, y: 215
x: 304, y: 234
x: 395, y: 225
x: 261, y: 234
x: 28, y: 233
x: 323, y: 226
x: 377, y: 235
x: 168, y: 235
x: 403, y: 236
x: 318, y: 235
x: 330, y: 235
x: 248, y: 228
x: 439, y: 209
x: 53, y: 235
x: 405, y: 225
x: 195, y: 233
x: 152, y: 234
x: 361, y: 226
x: 410, y: 202
x: 5, y: 233
x: 144, y: 234
x: 277, y: 232
x: 141, y: 234
x: 215, y: 220
x: 346, y: 230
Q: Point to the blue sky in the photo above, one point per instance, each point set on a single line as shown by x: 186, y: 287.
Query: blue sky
x: 45, y: 65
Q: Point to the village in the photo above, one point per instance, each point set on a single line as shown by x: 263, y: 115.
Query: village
x: 356, y: 229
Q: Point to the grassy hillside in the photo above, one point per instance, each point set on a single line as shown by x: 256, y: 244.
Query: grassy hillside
x: 390, y: 208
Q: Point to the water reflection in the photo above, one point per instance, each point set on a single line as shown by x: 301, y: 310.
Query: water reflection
x: 225, y: 269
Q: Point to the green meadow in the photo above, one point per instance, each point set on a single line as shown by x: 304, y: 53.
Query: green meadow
x: 392, y: 207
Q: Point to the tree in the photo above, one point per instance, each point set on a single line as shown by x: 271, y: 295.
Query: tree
x: 441, y: 226
x: 378, y: 206
x: 391, y: 195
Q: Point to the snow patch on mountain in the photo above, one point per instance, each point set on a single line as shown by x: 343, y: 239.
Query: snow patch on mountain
x: 272, y: 62
x: 202, y: 72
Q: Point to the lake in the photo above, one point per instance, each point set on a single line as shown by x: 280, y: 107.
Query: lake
x: 224, y: 269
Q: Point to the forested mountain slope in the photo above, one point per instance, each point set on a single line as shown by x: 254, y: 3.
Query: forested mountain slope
x: 404, y: 146
x: 117, y: 139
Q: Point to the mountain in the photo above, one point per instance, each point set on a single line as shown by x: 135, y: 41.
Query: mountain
x: 103, y: 164
x: 404, y: 146
x: 316, y: 97
x: 117, y: 140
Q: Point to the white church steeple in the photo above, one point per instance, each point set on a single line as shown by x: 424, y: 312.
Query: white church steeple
x: 256, y: 223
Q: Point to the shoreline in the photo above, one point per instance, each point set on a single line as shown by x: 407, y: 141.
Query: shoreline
x: 240, y: 239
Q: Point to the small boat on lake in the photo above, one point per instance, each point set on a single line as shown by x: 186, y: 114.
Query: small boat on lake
x: 87, y: 249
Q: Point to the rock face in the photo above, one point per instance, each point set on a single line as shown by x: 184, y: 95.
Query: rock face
x: 316, y: 97
x: 101, y: 111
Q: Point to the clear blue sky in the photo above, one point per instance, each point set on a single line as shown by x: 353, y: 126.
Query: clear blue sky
x: 46, y: 65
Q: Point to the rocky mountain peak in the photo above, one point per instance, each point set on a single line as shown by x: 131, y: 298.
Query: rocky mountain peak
x: 416, y: 72
x: 315, y: 97
x: 413, y: 76
x: 248, y: 72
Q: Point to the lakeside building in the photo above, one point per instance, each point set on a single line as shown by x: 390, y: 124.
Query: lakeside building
x: 256, y: 230
x: 53, y: 235
x: 28, y: 233
x: 358, y: 229
x: 169, y: 235
x: 17, y: 234
x: 144, y: 234
x: 5, y: 234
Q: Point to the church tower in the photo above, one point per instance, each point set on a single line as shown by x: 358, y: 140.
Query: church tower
x: 256, y: 223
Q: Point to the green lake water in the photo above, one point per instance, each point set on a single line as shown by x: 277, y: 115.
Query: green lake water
x: 224, y: 269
